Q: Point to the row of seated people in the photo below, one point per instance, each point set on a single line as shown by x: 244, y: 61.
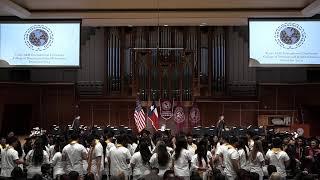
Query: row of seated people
x: 125, y: 155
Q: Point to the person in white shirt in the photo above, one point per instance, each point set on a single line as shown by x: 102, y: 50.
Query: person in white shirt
x: 140, y: 161
x: 36, y: 158
x: 191, y: 146
x: 250, y: 135
x: 56, y: 162
x: 200, y: 161
x: 278, y: 157
x: 256, y: 159
x: 109, y: 145
x: 132, y: 145
x: 9, y: 157
x: 73, y: 155
x: 169, y: 149
x: 119, y: 158
x: 230, y: 158
x: 182, y: 158
x: 218, y: 159
x: 243, y: 151
x: 95, y: 157
x: 161, y: 159
x: 50, y: 147
x: 3, y: 145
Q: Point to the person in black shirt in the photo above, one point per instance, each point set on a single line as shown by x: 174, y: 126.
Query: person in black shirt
x: 220, y: 125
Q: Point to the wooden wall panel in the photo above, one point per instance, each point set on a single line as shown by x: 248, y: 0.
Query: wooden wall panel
x: 291, y: 100
x: 121, y: 113
x: 107, y: 113
x: 51, y: 104
x: 55, y: 104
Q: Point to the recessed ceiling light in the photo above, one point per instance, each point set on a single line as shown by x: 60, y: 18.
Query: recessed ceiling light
x: 166, y: 25
x: 130, y: 25
x: 203, y: 24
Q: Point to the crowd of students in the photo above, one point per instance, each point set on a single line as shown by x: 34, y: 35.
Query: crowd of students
x: 87, y: 154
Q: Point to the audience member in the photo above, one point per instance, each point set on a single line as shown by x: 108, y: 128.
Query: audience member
x: 120, y: 158
x: 140, y: 161
x: 161, y: 159
x: 74, y: 154
x: 182, y: 158
x: 9, y: 157
x: 277, y: 157
x: 36, y: 158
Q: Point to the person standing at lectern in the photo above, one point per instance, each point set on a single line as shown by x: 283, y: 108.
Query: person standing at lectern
x: 220, y: 125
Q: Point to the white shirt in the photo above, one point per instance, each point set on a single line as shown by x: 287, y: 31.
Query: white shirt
x: 278, y: 159
x: 169, y: 150
x: 195, y: 162
x: 195, y: 165
x: 181, y: 165
x: 192, y: 148
x: 229, y: 155
x: 209, y: 156
x: 256, y: 165
x: 74, y: 153
x: 58, y: 166
x: 118, y: 160
x: 220, y: 151
x: 140, y: 169
x: 51, y: 152
x: 244, y: 160
x: 32, y: 168
x: 97, y: 152
x: 132, y: 148
x: 108, y: 147
x: 8, y: 158
x: 162, y: 169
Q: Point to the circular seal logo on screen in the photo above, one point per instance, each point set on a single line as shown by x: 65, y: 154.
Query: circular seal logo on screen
x: 38, y: 37
x: 290, y: 35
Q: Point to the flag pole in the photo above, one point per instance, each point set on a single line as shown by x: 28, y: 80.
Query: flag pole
x: 171, y: 110
x: 146, y: 117
x: 160, y: 106
x: 128, y: 115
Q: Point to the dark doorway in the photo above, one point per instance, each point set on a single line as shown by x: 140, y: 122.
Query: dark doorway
x: 17, y: 118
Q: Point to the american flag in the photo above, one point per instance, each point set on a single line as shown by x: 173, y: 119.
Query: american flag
x: 139, y: 116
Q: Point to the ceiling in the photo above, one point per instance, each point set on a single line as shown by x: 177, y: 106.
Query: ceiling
x: 158, y: 12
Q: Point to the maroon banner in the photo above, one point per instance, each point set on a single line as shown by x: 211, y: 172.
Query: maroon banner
x: 179, y: 118
x: 166, y: 109
x: 194, y: 115
x: 179, y: 115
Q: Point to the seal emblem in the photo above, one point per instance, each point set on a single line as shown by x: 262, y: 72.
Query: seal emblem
x: 166, y: 109
x: 194, y: 115
x: 38, y: 37
x: 179, y: 115
x: 290, y: 35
